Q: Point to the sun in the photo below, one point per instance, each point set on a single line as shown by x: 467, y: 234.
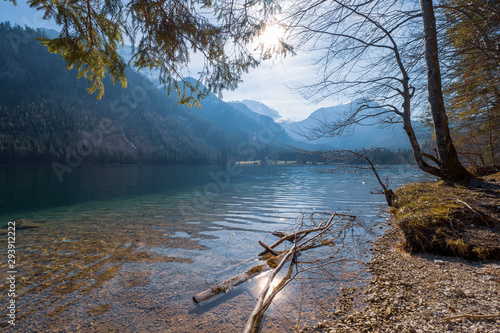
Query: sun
x: 271, y: 36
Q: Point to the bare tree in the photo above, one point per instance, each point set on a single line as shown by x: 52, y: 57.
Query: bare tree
x: 448, y: 157
x: 373, y: 51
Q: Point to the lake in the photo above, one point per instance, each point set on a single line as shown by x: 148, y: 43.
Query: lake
x: 125, y: 248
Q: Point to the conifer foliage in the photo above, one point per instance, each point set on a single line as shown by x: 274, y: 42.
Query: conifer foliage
x: 472, y: 39
x: 166, y: 35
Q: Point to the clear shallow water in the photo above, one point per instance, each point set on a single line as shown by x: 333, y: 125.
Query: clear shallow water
x: 124, y: 248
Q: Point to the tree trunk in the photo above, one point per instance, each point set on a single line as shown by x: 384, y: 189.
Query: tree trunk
x: 415, y: 146
x: 450, y: 165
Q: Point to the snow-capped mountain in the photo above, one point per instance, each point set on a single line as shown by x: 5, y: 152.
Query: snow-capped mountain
x: 262, y: 109
x: 363, y: 135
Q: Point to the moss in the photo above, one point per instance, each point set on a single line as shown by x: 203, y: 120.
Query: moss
x: 439, y: 218
x: 256, y: 269
x: 219, y: 290
x: 272, y: 262
x: 482, y: 252
x: 458, y: 246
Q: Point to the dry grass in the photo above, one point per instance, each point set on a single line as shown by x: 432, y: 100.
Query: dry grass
x: 459, y: 220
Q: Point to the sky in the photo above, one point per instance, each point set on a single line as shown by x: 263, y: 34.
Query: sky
x: 270, y: 84
x: 267, y: 83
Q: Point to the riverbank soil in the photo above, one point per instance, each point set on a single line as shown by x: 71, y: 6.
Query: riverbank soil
x: 458, y: 220
x: 453, y: 287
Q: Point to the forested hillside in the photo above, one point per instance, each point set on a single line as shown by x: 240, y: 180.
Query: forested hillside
x: 47, y: 115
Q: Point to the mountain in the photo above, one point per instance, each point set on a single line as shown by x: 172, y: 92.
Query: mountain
x: 47, y: 115
x: 50, y: 33
x: 363, y: 135
x: 260, y: 108
x: 237, y: 118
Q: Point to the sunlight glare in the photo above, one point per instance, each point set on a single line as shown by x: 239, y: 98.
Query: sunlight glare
x: 271, y: 36
x: 274, y: 284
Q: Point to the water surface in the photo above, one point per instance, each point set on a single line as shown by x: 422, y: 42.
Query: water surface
x: 124, y: 248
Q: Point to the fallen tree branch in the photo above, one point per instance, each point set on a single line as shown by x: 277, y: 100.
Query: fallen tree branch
x: 270, y: 263
x: 299, y: 235
x: 390, y: 196
x: 239, y: 279
x: 317, y: 240
x: 331, y: 230
x: 268, y: 249
x: 255, y: 319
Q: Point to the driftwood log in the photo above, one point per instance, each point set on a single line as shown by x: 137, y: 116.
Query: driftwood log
x: 270, y: 263
x: 275, y: 263
x: 300, y: 243
x: 238, y: 279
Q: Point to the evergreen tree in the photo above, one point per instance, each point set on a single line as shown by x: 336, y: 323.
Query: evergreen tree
x: 472, y: 54
x: 165, y: 34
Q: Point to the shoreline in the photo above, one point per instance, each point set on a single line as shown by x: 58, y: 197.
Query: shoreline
x: 418, y: 293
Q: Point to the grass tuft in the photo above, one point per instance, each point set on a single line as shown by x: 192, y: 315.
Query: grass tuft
x: 457, y: 220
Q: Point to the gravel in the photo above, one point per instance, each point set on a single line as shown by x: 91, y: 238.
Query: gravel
x: 419, y: 293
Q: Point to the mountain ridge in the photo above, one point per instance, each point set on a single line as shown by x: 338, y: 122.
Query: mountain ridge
x: 362, y: 135
x: 47, y: 115
x: 261, y: 108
